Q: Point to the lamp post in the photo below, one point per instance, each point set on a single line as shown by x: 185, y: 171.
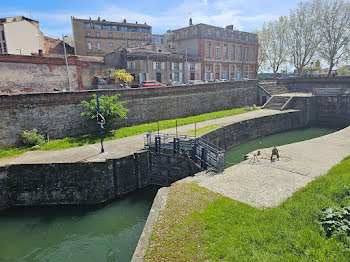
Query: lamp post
x: 65, y: 58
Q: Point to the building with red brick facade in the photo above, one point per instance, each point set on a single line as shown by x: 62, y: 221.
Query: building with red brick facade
x: 225, y: 53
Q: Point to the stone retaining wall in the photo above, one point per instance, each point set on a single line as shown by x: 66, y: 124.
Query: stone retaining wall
x: 307, y: 85
x: 58, y: 114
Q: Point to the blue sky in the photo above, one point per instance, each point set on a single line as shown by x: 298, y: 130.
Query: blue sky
x: 54, y: 16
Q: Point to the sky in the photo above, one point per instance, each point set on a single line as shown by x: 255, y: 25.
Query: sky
x: 54, y: 16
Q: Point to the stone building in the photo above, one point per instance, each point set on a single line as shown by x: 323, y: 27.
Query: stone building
x: 99, y: 37
x: 20, y: 35
x: 225, y: 53
x: 50, y: 43
x: 155, y: 62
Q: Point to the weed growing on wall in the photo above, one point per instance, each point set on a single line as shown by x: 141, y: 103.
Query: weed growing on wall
x: 32, y: 138
x: 110, y: 108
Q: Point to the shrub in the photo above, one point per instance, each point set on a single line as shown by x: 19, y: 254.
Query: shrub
x: 32, y: 138
x: 336, y: 220
x: 110, y: 108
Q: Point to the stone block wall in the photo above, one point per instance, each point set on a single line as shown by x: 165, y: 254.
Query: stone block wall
x: 307, y: 85
x: 234, y: 134
x: 58, y: 114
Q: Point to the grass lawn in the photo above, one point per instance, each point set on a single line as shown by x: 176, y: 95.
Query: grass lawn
x: 227, y: 230
x: 70, y: 142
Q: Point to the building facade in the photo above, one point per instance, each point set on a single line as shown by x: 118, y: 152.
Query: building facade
x: 225, y: 53
x: 155, y: 62
x: 20, y: 35
x: 99, y: 37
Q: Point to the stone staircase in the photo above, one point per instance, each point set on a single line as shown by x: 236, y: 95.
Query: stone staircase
x: 273, y: 88
x: 276, y: 102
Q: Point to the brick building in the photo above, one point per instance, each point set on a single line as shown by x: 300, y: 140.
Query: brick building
x: 155, y: 62
x: 99, y: 37
x: 50, y: 43
x: 225, y: 53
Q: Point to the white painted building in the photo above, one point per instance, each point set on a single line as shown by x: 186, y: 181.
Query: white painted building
x: 20, y: 35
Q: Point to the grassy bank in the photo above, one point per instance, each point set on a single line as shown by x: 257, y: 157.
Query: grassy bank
x: 70, y: 142
x: 232, y: 231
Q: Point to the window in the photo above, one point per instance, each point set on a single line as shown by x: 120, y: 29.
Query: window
x: 192, y: 67
x: 111, y: 44
x: 176, y: 76
x: 157, y: 65
x: 145, y: 30
x: 245, y: 72
x: 5, y: 49
x: 217, y: 68
x: 106, y: 27
x: 139, y: 37
x: 124, y: 45
x: 97, y: 34
x: 207, y: 68
x: 240, y: 53
x: 146, y: 37
x: 98, y: 46
x: 217, y: 51
x: 97, y: 26
x: 208, y: 49
x: 88, y: 26
x: 88, y: 33
x: 233, y: 52
x: 110, y: 35
x: 224, y: 72
x: 89, y: 45
x: 252, y: 54
x: 123, y: 35
x: 131, y: 29
x: 175, y: 66
x: 232, y: 73
x: 0, y: 49
x: 114, y: 27
x: 192, y: 76
x: 246, y: 54
x: 225, y: 51
x: 122, y: 28
x: 132, y: 36
x: 131, y: 64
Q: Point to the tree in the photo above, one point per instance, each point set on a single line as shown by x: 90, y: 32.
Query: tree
x: 110, y: 108
x: 334, y: 31
x: 318, y: 65
x: 69, y: 40
x: 344, y: 71
x: 303, y: 34
x: 120, y: 76
x: 272, y: 39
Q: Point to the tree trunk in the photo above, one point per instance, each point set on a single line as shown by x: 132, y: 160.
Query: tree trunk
x: 300, y: 70
x: 330, y: 69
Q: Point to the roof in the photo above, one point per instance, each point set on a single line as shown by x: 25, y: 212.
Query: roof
x: 110, y: 22
x: 211, y: 26
x: 17, y: 17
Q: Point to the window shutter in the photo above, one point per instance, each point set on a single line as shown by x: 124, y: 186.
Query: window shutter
x: 172, y: 76
x: 189, y: 67
x: 180, y: 67
x: 147, y: 76
x: 196, y: 67
x: 180, y: 77
x: 154, y: 65
x: 162, y: 65
x: 140, y: 78
x: 211, y: 76
x: 172, y: 66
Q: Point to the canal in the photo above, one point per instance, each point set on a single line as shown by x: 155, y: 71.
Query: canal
x: 105, y: 233
x: 236, y: 154
x: 75, y: 233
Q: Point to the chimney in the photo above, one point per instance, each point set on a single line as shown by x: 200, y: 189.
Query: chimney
x: 230, y: 27
x: 124, y: 21
x: 98, y: 18
x: 190, y: 22
x: 40, y: 52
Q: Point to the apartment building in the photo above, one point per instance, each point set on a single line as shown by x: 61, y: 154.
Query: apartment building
x: 225, y: 53
x: 20, y: 35
x: 99, y: 37
x: 155, y: 62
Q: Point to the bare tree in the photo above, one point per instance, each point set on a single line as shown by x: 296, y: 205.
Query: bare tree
x: 272, y: 38
x: 334, y: 31
x: 303, y: 34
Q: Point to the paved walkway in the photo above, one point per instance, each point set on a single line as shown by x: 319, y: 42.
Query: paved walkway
x: 120, y: 147
x: 266, y: 184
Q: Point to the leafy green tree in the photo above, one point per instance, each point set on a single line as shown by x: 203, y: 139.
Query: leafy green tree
x: 344, y: 71
x: 110, y: 108
x: 121, y: 76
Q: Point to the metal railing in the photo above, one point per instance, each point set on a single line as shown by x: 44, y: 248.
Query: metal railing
x: 330, y: 91
x: 202, y: 150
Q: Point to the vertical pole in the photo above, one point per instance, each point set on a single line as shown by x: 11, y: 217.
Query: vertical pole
x: 186, y: 67
x: 195, y: 130
x: 176, y: 128
x: 65, y: 58
x: 98, y: 110
x: 158, y: 128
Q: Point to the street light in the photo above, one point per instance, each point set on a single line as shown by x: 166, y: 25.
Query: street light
x: 65, y: 58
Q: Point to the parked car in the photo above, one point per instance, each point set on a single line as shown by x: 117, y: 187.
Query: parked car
x: 151, y: 83
x: 194, y: 82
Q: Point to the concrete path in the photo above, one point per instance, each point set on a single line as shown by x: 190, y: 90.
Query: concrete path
x: 262, y: 183
x: 120, y: 147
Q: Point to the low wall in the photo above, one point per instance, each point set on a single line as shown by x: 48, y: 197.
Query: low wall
x: 87, y: 182
x: 58, y: 114
x: 307, y: 85
x: 234, y: 134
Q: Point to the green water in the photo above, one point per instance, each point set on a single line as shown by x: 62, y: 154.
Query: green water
x: 105, y: 233
x: 236, y: 154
